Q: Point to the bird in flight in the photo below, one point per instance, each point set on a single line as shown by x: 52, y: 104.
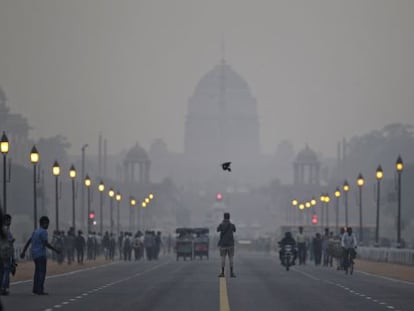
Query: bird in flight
x: 226, y: 166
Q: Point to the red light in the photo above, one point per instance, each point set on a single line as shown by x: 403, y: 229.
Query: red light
x: 219, y: 196
x: 314, y: 219
x: 92, y: 215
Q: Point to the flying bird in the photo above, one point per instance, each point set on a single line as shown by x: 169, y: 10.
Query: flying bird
x: 226, y: 166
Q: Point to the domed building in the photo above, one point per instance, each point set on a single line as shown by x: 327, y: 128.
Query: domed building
x: 222, y: 122
x: 306, y: 168
x: 137, y: 156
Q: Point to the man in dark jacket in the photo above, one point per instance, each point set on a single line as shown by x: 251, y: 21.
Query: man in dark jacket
x: 287, y: 240
x: 226, y: 243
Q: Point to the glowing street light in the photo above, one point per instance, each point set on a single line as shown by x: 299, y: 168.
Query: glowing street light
x: 72, y: 176
x: 34, y: 158
x: 101, y: 188
x: 56, y: 173
x: 4, y: 148
x: 360, y: 184
x: 346, y: 189
x: 399, y: 165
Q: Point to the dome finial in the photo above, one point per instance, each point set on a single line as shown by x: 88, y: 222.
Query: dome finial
x: 223, y: 50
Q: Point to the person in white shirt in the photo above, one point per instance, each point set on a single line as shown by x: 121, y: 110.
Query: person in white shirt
x: 301, y: 242
x: 349, y: 243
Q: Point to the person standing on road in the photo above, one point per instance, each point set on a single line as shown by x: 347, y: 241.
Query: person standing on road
x: 226, y: 243
x: 39, y: 243
x: 80, y: 247
x: 301, y: 241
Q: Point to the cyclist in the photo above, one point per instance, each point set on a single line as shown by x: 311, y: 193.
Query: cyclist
x: 349, y: 244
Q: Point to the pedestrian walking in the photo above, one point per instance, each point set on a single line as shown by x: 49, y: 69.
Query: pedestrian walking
x: 39, y: 241
x: 301, y: 242
x: 80, y: 244
x: 226, y: 243
x: 317, y: 249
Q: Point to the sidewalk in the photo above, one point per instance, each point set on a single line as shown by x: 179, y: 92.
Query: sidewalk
x: 400, y: 272
x: 25, y: 269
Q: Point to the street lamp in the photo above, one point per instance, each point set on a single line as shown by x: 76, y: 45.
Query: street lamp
x: 88, y: 184
x: 4, y: 148
x: 293, y: 213
x: 337, y: 196
x: 101, y: 189
x: 345, y: 187
x: 118, y: 201
x: 399, y: 165
x: 327, y: 200
x: 72, y: 176
x: 360, y: 184
x: 56, y: 173
x: 132, y: 202
x: 82, y: 189
x: 34, y: 158
x: 151, y: 196
x: 111, y: 194
x: 379, y: 174
x: 313, y: 202
x: 322, y: 199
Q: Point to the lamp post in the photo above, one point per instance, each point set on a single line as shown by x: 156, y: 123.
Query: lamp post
x: 82, y: 189
x: 88, y: 184
x: 111, y: 194
x: 322, y: 199
x: 118, y: 198
x: 4, y: 148
x: 379, y: 174
x: 132, y: 202
x: 143, y: 205
x: 56, y: 173
x: 34, y: 158
x: 337, y: 196
x: 101, y: 189
x: 346, y: 190
x: 360, y: 184
x: 72, y: 176
x: 327, y: 200
x: 294, y: 204
x: 399, y: 165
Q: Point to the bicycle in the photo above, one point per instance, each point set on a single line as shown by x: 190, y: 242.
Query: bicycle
x: 348, y: 261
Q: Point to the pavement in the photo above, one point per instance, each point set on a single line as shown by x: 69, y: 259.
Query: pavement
x: 25, y: 269
x: 261, y: 284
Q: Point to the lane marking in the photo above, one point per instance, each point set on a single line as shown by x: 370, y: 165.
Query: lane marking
x: 386, y: 278
x: 307, y: 275
x: 224, y: 299
x: 114, y: 283
x: 66, y: 273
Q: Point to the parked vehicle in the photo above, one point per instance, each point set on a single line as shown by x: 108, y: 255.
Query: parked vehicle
x: 184, y: 245
x: 201, y: 242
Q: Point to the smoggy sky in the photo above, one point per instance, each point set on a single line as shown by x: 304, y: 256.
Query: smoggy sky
x: 320, y: 70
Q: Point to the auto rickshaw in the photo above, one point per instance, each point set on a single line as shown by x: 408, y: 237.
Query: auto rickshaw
x: 184, y: 243
x: 201, y: 242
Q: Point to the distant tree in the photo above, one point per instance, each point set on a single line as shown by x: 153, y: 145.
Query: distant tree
x: 53, y: 149
x: 383, y: 146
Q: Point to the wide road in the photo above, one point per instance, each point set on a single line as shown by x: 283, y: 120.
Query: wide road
x: 168, y: 285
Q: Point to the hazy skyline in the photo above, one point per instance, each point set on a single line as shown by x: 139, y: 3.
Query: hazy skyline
x: 320, y: 70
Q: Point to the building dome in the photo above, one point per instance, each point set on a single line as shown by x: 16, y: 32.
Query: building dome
x: 136, y: 154
x: 307, y: 155
x: 222, y: 119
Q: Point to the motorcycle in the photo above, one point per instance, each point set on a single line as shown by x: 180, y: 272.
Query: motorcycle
x: 287, y: 256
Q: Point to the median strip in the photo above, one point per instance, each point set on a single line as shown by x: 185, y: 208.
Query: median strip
x: 224, y: 299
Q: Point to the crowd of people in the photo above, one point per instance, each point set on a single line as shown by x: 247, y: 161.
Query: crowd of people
x: 322, y: 249
x: 73, y: 247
